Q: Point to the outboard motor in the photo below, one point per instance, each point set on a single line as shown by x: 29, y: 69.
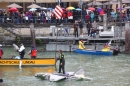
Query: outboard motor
x: 116, y: 51
x: 1, y: 80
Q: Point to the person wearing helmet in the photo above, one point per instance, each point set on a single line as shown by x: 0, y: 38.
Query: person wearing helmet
x: 81, y: 45
x: 33, y: 52
x: 106, y: 47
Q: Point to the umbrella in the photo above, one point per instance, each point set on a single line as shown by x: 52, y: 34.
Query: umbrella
x: 2, y: 9
x: 70, y: 8
x: 91, y: 8
x: 120, y: 8
x: 49, y: 8
x: 32, y: 9
x: 63, y: 9
x: 13, y: 9
x: 34, y: 6
x: 126, y: 1
x: 128, y: 7
x: 78, y: 9
x: 99, y: 9
x: 43, y: 8
x: 95, y: 3
x: 14, y: 5
x: 111, y: 2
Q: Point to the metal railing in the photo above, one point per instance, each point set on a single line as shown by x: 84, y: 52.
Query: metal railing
x: 37, y: 19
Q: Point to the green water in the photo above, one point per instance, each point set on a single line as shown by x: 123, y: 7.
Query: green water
x: 105, y: 70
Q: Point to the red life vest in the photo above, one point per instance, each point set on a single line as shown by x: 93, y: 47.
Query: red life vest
x: 1, y: 53
x: 33, y: 53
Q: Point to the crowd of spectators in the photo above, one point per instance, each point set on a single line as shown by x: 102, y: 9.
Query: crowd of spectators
x: 67, y: 17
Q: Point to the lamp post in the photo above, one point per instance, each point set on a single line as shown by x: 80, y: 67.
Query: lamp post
x: 81, y: 3
x: 32, y: 31
x: 121, y: 17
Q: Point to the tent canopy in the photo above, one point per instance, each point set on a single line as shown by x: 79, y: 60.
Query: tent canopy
x: 33, y: 6
x: 95, y: 3
x: 14, y: 5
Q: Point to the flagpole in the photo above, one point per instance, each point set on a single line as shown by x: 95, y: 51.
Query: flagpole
x: 56, y: 40
x: 56, y: 35
x: 81, y: 3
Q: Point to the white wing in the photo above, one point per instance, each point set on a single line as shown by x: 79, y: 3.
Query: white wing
x: 15, y: 47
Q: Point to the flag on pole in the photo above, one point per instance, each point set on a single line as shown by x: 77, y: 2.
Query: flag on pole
x: 58, y: 12
x: 59, y: 1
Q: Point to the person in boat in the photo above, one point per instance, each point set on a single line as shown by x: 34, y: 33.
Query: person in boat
x: 21, y: 51
x: 106, y: 47
x: 116, y: 51
x: 81, y: 45
x: 1, y: 51
x: 62, y: 62
x: 33, y: 52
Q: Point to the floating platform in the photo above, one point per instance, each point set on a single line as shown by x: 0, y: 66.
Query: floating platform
x: 28, y: 62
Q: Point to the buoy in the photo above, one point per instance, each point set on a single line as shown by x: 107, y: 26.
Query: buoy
x: 50, y: 71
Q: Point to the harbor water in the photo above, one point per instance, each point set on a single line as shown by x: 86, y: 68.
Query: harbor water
x: 105, y: 70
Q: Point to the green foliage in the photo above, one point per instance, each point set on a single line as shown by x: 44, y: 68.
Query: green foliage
x: 38, y: 41
x: 17, y: 40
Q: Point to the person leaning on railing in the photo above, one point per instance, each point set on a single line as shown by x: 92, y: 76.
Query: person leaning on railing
x: 5, y: 17
x: 34, y: 15
x: 87, y: 18
x: 48, y: 16
x: 89, y: 27
x: 1, y: 17
x: 75, y: 26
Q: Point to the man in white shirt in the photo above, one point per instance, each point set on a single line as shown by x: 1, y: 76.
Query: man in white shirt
x: 21, y: 51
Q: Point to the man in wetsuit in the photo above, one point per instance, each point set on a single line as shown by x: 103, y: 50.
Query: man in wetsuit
x: 62, y: 62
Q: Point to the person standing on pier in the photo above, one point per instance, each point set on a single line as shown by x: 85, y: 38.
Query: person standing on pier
x: 1, y: 51
x: 33, y: 52
x: 75, y: 25
x: 89, y: 27
x: 62, y: 62
x: 81, y: 27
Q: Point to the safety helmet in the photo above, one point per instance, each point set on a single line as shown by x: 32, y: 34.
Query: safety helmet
x: 82, y: 41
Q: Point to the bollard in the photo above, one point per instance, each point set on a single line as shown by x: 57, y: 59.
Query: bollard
x: 52, y: 30
x: 127, y: 42
x: 70, y: 47
x: 105, y: 22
